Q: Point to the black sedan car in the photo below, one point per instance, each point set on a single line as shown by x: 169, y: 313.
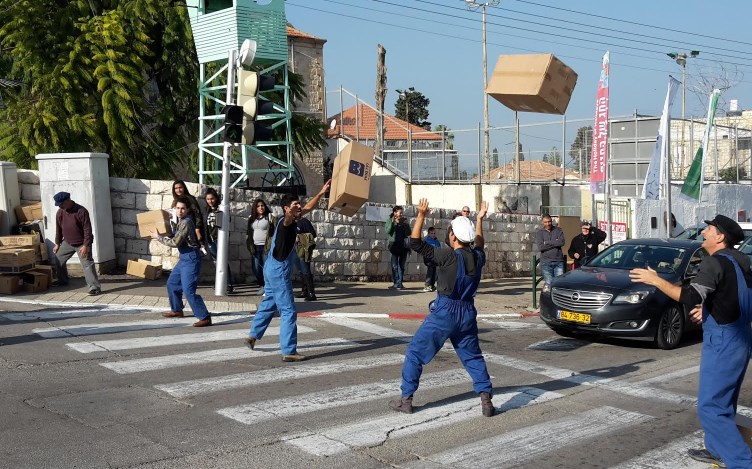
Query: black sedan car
x: 600, y: 297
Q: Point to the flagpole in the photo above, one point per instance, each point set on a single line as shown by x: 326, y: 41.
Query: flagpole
x: 668, y: 178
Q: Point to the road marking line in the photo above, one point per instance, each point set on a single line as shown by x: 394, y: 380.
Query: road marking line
x: 79, y: 330
x: 561, y: 344
x: 673, y: 454
x: 513, y: 448
x: 273, y: 375
x: 93, y: 311
x: 164, y: 341
x: 374, y: 432
x: 515, y: 325
x: 666, y: 377
x: 212, y: 356
x: 291, y: 406
x: 367, y: 327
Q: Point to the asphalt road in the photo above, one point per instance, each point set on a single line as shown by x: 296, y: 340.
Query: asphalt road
x: 96, y: 386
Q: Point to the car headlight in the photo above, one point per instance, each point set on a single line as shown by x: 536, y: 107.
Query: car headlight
x: 632, y: 297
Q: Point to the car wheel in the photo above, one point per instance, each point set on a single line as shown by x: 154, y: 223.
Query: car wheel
x: 670, y: 329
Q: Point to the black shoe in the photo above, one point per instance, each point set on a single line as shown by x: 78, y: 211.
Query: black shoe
x: 230, y: 290
x: 94, y: 292
x: 58, y: 283
x: 705, y: 456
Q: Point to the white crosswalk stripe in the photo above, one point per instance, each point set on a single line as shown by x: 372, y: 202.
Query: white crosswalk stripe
x: 74, y: 313
x: 515, y: 325
x: 672, y: 455
x: 79, y: 330
x: 321, y: 400
x: 376, y: 431
x: 165, y: 341
x: 255, y: 378
x: 163, y: 362
x: 515, y: 447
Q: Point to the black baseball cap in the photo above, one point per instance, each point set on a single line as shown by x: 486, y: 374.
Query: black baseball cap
x: 728, y: 227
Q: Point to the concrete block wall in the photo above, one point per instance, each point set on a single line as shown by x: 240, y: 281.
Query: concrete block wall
x: 347, y: 248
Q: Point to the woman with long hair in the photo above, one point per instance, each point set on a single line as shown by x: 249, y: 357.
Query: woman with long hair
x: 179, y: 189
x: 258, y: 239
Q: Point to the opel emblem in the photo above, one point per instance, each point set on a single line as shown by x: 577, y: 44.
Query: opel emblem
x: 575, y: 296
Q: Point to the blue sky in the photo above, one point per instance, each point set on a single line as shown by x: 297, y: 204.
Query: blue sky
x: 435, y: 46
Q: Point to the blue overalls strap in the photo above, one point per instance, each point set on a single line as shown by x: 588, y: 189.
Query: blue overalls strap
x: 274, y: 243
x: 743, y: 291
x: 465, y: 286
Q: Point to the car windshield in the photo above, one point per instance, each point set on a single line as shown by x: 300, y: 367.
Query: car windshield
x: 746, y: 247
x: 694, y: 232
x: 663, y: 259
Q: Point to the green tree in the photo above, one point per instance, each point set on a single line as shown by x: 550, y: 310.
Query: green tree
x: 449, y: 135
x: 553, y: 157
x: 495, y: 158
x: 729, y: 174
x: 412, y: 107
x: 582, y: 147
x: 115, y: 76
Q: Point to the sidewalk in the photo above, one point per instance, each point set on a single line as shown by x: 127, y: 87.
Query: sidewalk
x: 496, y: 298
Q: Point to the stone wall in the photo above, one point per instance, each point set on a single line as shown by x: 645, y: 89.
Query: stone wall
x: 347, y: 248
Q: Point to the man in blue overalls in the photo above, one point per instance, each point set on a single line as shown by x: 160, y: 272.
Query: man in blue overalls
x: 278, y: 293
x: 719, y: 297
x: 453, y: 315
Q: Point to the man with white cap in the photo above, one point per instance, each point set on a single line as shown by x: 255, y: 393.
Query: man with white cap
x: 453, y: 315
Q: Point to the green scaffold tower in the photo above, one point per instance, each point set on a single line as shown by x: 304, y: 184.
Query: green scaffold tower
x: 221, y: 25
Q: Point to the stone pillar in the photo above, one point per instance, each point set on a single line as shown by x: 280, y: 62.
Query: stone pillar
x: 9, y: 196
x: 86, y: 177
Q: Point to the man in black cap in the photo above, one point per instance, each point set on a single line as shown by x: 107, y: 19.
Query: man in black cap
x: 73, y: 234
x: 585, y: 245
x: 719, y: 297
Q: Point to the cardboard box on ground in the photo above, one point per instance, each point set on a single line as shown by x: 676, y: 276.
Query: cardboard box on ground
x: 154, y: 220
x: 144, y: 269
x: 351, y: 179
x: 532, y: 83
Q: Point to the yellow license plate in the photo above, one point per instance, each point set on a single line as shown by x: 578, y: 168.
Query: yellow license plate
x: 575, y: 317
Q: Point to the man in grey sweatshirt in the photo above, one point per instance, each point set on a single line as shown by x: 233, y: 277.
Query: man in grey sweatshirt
x: 550, y: 240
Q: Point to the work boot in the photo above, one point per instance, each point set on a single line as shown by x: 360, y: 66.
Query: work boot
x: 486, y: 405
x: 203, y: 322
x: 403, y: 404
x: 311, y: 296
x: 705, y: 456
x: 250, y: 342
x: 293, y: 357
x: 172, y: 314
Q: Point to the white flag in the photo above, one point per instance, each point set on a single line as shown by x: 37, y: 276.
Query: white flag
x: 656, y: 176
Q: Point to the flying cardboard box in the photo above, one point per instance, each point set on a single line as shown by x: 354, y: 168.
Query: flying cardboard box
x: 10, y: 284
x: 29, y: 212
x: 532, y: 83
x: 351, y: 180
x: 154, y: 220
x: 144, y: 269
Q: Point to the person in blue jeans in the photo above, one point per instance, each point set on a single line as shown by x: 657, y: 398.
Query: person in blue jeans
x: 399, y: 231
x: 719, y: 297
x: 258, y: 239
x: 278, y: 293
x: 184, y: 276
x: 453, y: 316
x: 550, y: 240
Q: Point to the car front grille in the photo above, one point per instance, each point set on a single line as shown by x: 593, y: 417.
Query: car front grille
x: 578, y: 300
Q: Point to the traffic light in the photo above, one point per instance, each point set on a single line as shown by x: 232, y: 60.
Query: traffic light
x: 233, y: 124
x: 250, y: 85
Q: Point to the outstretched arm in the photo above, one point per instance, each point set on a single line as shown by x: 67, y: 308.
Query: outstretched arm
x: 479, y: 241
x: 315, y: 200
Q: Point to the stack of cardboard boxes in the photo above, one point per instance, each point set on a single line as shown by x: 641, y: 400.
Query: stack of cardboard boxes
x: 23, y: 264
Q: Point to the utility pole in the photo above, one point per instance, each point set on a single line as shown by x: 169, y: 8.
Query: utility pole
x: 474, y: 4
x: 681, y: 60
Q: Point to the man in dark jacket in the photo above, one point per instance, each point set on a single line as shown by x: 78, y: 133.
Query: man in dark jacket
x: 585, y: 245
x: 73, y: 234
x: 549, y: 240
x: 720, y: 298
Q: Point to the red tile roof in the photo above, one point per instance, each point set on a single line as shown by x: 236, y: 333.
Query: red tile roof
x: 394, y: 129
x: 535, y: 170
x: 292, y: 32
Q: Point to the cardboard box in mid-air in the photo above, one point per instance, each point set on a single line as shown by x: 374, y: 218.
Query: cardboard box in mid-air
x: 154, y: 220
x: 351, y: 179
x: 532, y: 83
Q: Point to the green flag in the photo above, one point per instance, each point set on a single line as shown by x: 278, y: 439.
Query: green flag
x: 692, y: 187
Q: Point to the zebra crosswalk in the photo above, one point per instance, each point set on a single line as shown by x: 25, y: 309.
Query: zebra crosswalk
x: 335, y: 404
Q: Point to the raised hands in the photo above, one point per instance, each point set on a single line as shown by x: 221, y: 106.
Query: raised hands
x: 423, y: 208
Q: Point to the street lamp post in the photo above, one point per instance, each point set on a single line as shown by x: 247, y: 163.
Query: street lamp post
x: 474, y: 4
x: 681, y: 60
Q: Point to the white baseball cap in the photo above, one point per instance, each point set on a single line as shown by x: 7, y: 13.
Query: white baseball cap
x: 463, y: 229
